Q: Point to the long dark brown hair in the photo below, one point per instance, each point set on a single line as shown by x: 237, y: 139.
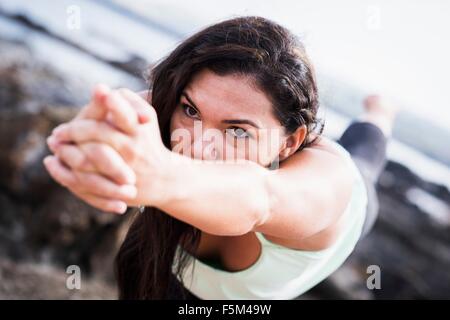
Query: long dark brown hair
x: 276, y: 61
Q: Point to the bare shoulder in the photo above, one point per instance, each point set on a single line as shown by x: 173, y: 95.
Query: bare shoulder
x: 327, y: 145
x: 329, y: 189
x: 324, y: 159
x: 324, y: 152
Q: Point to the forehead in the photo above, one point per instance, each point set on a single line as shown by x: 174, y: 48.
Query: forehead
x: 230, y: 97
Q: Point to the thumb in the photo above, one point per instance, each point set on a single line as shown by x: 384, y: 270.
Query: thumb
x: 141, y: 103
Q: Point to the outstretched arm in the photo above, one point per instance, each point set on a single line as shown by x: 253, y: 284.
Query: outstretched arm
x: 306, y: 195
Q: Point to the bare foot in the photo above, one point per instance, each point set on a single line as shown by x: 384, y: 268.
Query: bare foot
x: 380, y: 112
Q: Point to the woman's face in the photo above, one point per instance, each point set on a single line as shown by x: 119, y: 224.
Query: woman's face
x: 225, y: 118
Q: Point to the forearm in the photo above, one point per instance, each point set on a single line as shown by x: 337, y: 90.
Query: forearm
x: 218, y: 198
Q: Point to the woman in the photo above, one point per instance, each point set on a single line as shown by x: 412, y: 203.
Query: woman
x: 243, y: 198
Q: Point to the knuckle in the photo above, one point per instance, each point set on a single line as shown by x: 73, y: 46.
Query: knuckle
x: 89, y: 185
x: 128, y: 151
x: 102, y: 127
x: 84, y: 163
x: 79, y: 182
x: 97, y: 150
x: 61, y: 153
x: 90, y: 182
x: 77, y: 158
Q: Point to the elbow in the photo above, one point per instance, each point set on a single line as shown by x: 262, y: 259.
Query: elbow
x: 264, y: 200
x: 254, y: 220
x: 262, y: 211
x: 254, y: 209
x: 259, y: 203
x: 256, y: 215
x: 237, y: 223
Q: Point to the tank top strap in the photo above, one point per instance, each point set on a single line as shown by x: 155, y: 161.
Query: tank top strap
x: 265, y: 242
x: 260, y: 237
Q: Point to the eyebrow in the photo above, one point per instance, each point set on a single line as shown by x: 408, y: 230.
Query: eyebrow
x: 229, y: 121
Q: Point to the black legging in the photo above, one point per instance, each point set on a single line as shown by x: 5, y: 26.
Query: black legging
x: 366, y: 144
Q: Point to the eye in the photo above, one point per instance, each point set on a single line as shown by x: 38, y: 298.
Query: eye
x: 239, y: 133
x: 190, y: 111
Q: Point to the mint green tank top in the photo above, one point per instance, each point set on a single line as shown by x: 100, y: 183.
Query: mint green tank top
x: 280, y: 272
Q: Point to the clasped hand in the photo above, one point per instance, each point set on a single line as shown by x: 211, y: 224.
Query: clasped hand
x: 111, y: 155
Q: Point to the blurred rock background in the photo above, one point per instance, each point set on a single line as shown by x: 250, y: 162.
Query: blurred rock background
x: 46, y: 74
